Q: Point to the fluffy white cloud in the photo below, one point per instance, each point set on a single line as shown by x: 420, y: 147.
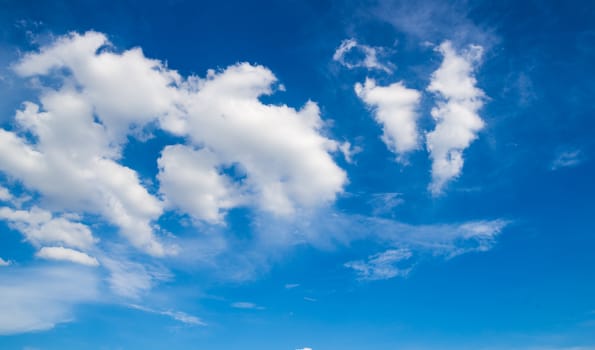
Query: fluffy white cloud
x: 280, y: 153
x: 66, y: 254
x: 34, y: 299
x: 394, y: 108
x: 5, y: 194
x: 190, y: 180
x: 456, y: 112
x: 80, y: 126
x: 365, y: 56
x: 67, y: 147
x: 383, y: 265
x: 41, y: 227
x: 127, y: 90
x: 5, y: 262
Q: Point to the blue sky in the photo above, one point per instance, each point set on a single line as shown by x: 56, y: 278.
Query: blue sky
x: 297, y: 175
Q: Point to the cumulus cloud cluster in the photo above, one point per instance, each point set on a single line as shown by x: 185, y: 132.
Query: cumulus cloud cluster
x: 283, y: 160
x: 458, y: 101
x: 66, y: 155
x: 65, y: 151
x: 68, y: 146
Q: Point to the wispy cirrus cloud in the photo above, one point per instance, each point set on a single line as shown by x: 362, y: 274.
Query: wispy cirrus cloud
x: 408, y: 245
x: 176, y: 315
x: 246, y: 305
x: 436, y: 21
x: 35, y: 299
x: 352, y: 54
x: 566, y: 159
x: 383, y: 265
x: 132, y: 280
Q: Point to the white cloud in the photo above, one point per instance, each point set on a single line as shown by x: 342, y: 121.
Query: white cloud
x: 191, y: 180
x: 448, y: 240
x: 382, y: 266
x: 40, y: 227
x: 67, y: 147
x: 385, y: 203
x: 304, y: 349
x: 81, y: 126
x: 66, y: 254
x: 127, y: 90
x: 366, y: 56
x: 332, y: 230
x: 279, y: 152
x: 394, y: 108
x: 565, y: 159
x: 183, y: 317
x: 291, y: 285
x: 176, y: 315
x: 246, y: 305
x: 5, y: 262
x: 456, y: 112
x: 411, y: 243
x: 434, y: 20
x: 5, y: 194
x: 34, y: 299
